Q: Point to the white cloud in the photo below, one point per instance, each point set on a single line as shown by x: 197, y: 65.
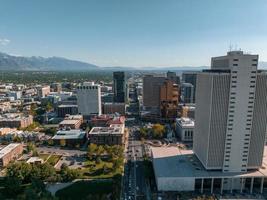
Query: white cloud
x: 4, y: 41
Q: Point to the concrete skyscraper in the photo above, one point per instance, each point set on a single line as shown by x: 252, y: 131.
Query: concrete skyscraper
x: 119, y: 87
x: 89, y: 99
x: 231, y: 117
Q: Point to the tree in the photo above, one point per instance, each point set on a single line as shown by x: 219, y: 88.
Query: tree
x: 91, y: 151
x: 17, y: 139
x: 68, y: 174
x: 21, y: 170
x: 12, y: 186
x: 158, y: 130
x: 48, y: 107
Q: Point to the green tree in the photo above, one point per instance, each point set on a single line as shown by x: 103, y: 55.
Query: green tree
x: 92, y: 148
x: 48, y: 107
x: 12, y: 186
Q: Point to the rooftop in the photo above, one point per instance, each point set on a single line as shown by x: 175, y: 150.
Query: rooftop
x: 69, y: 134
x: 186, y: 122
x: 8, y: 149
x: 35, y: 159
x: 67, y: 106
x: 112, y: 129
x: 174, y: 162
x: 69, y: 121
x: 13, y: 116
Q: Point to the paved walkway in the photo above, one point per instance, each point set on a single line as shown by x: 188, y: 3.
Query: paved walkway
x: 53, y: 188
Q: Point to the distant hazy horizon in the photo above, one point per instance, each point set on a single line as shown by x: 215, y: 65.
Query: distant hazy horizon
x: 133, y: 33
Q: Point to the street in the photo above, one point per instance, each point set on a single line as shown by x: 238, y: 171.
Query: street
x: 134, y: 186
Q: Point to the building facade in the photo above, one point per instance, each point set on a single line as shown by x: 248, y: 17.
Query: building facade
x: 231, y: 115
x: 112, y: 135
x: 112, y: 108
x: 64, y: 109
x: 151, y: 91
x: 169, y: 99
x: 119, y: 87
x: 89, y: 99
x: 187, y: 93
x: 9, y: 153
x: 184, y: 128
x: 191, y: 77
x: 15, y: 120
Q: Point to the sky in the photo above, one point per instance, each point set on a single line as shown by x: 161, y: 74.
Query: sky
x: 133, y: 32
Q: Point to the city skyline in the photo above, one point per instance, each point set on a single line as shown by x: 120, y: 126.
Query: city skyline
x: 118, y: 33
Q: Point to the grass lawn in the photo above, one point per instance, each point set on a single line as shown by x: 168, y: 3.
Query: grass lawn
x: 83, y: 189
x: 53, y: 159
x: 94, y: 170
x: 43, y: 156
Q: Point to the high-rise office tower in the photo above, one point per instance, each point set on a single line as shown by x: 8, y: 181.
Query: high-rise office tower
x: 173, y: 77
x: 89, y: 99
x: 119, y: 87
x: 151, y: 91
x: 169, y: 99
x: 231, y: 117
x: 190, y: 77
x: 187, y: 93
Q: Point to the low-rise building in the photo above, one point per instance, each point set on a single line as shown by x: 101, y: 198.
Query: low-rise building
x: 63, y: 110
x: 15, y: 120
x: 9, y: 153
x: 35, y: 160
x: 178, y: 170
x: 185, y: 129
x: 72, y: 137
x: 71, y: 122
x: 5, y: 131
x: 112, y: 135
x: 112, y: 108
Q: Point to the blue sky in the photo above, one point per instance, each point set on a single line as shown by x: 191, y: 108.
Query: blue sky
x: 133, y: 32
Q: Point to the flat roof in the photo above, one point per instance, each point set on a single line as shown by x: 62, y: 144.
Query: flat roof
x: 112, y: 129
x: 69, y: 134
x: 171, y: 162
x: 35, y: 159
x: 186, y: 122
x: 67, y: 106
x: 69, y: 121
x: 8, y: 149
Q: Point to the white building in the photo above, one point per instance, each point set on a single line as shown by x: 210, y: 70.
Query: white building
x: 43, y: 91
x: 180, y: 170
x: 185, y: 129
x: 89, y: 99
x: 231, y: 115
x: 230, y: 126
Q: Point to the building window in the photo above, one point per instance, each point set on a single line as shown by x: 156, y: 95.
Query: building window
x: 235, y: 59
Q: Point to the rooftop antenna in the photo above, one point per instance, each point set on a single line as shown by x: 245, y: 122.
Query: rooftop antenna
x: 230, y: 47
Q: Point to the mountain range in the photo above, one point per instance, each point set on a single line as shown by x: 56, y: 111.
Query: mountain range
x: 38, y: 63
